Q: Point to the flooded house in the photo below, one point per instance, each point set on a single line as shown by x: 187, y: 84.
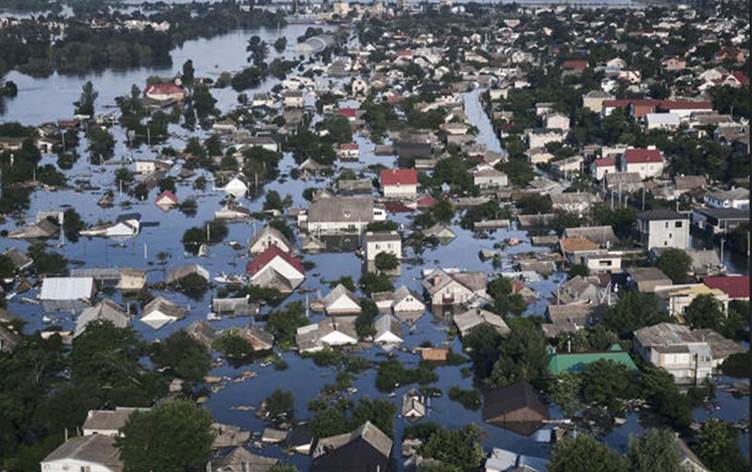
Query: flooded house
x: 106, y: 310
x: 364, y: 450
x: 517, y: 407
x: 341, y: 301
x: 453, y: 286
x: 161, y: 311
x: 329, y: 332
x: 275, y: 268
x: 269, y: 236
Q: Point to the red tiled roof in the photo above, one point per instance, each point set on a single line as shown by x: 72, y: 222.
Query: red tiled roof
x: 164, y: 89
x: 426, y: 201
x: 399, y: 177
x: 272, y: 252
x: 347, y: 112
x: 618, y: 103
x: 166, y: 195
x: 734, y: 286
x: 640, y: 156
x: 574, y: 64
x: 397, y: 207
x: 349, y: 146
x: 741, y: 78
x: 605, y: 162
x: 686, y: 105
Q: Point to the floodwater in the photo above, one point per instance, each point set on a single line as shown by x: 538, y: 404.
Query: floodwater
x: 48, y: 99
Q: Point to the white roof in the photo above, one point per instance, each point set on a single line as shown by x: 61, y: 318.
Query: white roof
x: 67, y: 288
x: 663, y: 118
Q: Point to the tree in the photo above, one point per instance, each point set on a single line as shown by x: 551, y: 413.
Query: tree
x: 443, y: 211
x: 654, y: 451
x: 705, y: 311
x: 72, y: 224
x: 364, y: 321
x: 174, y: 436
x: 534, y: 204
x: 280, y: 44
x: 284, y: 324
x: 578, y: 269
x: 718, y: 447
x: 339, y: 128
x: 188, y: 73
x: 585, y: 454
x: 182, y: 355
x: 606, y: 382
x: 101, y: 143
x: 505, y: 300
x: 565, y: 390
x: 373, y: 283
x: 258, y: 50
x: 459, y: 448
x: 85, y: 104
x: 385, y: 261
x: 203, y: 100
x: 7, y: 268
x: 280, y: 402
x: 633, y: 310
x: 523, y: 355
x: 676, y: 264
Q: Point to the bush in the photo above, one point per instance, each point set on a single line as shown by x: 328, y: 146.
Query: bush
x: 280, y: 402
x: 392, y: 373
x: 470, y: 399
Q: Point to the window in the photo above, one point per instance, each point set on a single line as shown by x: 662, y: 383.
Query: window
x: 678, y: 224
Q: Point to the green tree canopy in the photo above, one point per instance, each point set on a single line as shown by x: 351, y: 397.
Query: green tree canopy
x: 676, y: 264
x: 585, y: 454
x: 654, y: 451
x: 174, y: 436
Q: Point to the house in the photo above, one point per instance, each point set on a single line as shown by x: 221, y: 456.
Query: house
x: 108, y: 422
x: 736, y: 287
x: 406, y: 301
x: 666, y: 121
x: 293, y: 99
x: 573, y: 316
x: 329, y: 332
x: 276, y: 268
x: 453, y: 287
x: 203, y: 333
x: 399, y: 183
x: 106, y: 310
x: 646, y: 162
x: 674, y: 64
x: 603, y: 236
x: 348, y: 151
x: 148, y: 166
x: 67, y: 288
x: 503, y: 460
x: 414, y: 405
x: 165, y: 92
x: 556, y: 121
x: 517, y: 407
x: 273, y: 435
x: 131, y: 280
x: 737, y: 198
x: 676, y: 300
x: 690, y: 356
x: 475, y: 317
x: 94, y: 453
x: 688, y: 460
x: 350, y: 114
x: 338, y: 215
x: 166, y: 200
x: 579, y: 289
x: 259, y: 339
x: 388, y: 330
x: 233, y: 211
x: 574, y: 248
x: 42, y: 229
x: 647, y: 279
x: 354, y: 186
x: 439, y: 232
x: 175, y: 276
x: 19, y: 260
x: 663, y: 228
x: 301, y: 440
x: 593, y: 100
x: 600, y: 167
x: 264, y: 142
x: 240, y: 459
x: 602, y: 261
x: 388, y: 242
x: 574, y: 65
x: 487, y: 177
x: 236, y: 187
x: 570, y: 202
x: 715, y: 221
x: 367, y: 449
x: 160, y: 312
x: 341, y: 301
x: 561, y: 362
x: 267, y: 237
x: 539, y: 137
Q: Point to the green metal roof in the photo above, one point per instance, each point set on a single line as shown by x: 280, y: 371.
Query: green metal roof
x: 576, y: 361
